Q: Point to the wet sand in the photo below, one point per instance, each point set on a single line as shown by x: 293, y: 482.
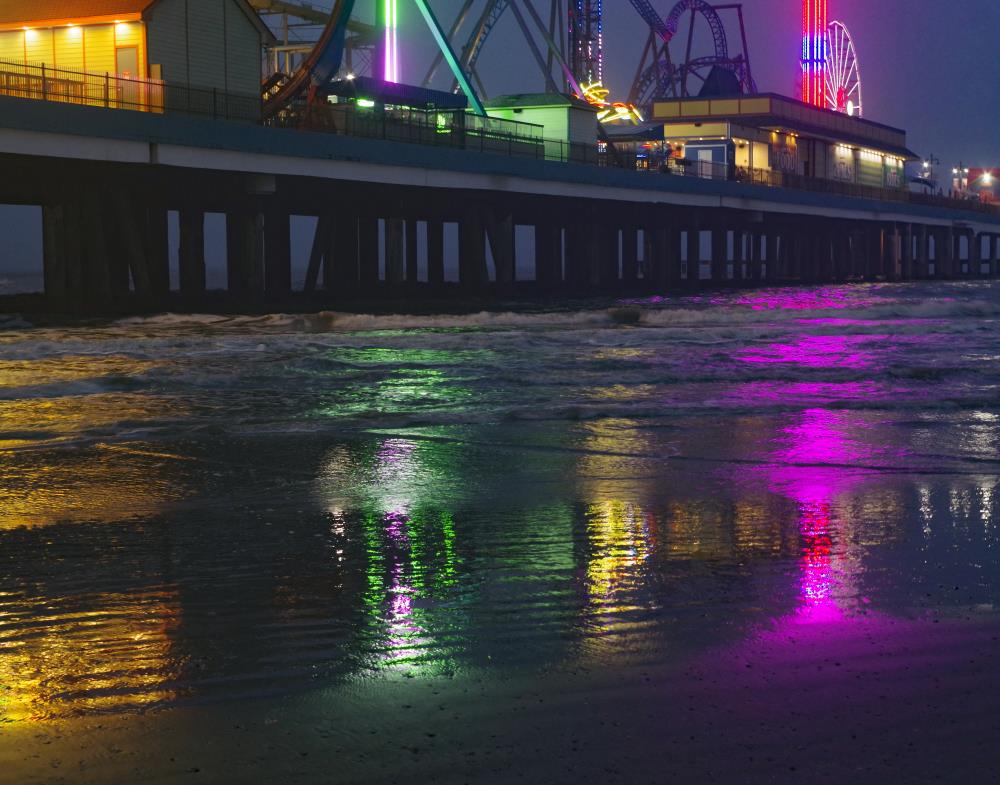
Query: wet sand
x: 820, y: 700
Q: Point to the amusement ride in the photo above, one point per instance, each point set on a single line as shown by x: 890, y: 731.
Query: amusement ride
x: 831, y: 77
x: 688, y: 52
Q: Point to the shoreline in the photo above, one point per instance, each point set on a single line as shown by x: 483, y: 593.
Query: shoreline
x: 813, y: 703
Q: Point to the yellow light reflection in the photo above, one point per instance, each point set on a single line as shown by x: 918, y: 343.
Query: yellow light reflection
x: 618, y: 535
x: 106, y: 483
x: 59, y: 401
x: 58, y: 661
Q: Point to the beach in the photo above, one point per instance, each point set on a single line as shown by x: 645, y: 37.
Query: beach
x: 734, y: 537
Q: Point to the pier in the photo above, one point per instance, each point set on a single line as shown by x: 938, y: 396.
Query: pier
x: 421, y: 194
x: 106, y: 181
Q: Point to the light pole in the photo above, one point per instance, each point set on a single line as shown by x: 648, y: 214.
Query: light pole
x: 960, y: 178
x: 927, y: 171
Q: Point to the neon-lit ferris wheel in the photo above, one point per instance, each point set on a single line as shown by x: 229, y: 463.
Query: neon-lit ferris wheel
x: 843, y: 75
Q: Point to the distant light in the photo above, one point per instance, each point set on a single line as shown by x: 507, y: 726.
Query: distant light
x: 350, y: 77
x: 954, y: 171
x: 927, y: 164
x: 366, y: 102
x: 966, y: 171
x: 850, y: 108
x: 987, y: 179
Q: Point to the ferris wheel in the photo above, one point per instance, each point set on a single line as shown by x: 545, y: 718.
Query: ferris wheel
x: 843, y: 76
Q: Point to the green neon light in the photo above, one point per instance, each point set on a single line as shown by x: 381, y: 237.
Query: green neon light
x: 391, y: 42
x: 449, y: 56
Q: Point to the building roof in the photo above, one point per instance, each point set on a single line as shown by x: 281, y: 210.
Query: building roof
x: 398, y: 94
x: 769, y: 110
x: 32, y: 13
x: 20, y: 12
x: 643, y: 132
x: 537, y: 100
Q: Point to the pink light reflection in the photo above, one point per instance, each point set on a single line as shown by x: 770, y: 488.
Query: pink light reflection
x: 816, y: 462
x: 816, y: 351
x: 404, y: 636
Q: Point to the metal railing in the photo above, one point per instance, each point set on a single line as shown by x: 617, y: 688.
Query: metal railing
x: 770, y: 178
x: 450, y: 128
x: 438, y: 128
x: 44, y: 83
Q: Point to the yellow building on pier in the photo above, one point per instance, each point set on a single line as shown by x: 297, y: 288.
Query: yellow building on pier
x: 208, y: 44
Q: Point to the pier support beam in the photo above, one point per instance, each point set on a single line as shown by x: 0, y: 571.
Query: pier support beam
x: 592, y: 235
x: 630, y: 255
x: 994, y: 241
x: 500, y: 231
x: 54, y: 254
x: 893, y: 239
x: 114, y: 246
x: 693, y: 278
x: 368, y: 252
x: 577, y: 235
x: 657, y: 263
x: 809, y: 264
x: 277, y: 252
x: 975, y: 255
x: 720, y: 253
x: 755, y: 261
x: 609, y: 261
x: 875, y: 253
x: 244, y: 257
x: 97, y: 270
x: 824, y: 254
x: 673, y: 257
x: 923, y: 260
x: 907, y: 270
x: 741, y: 253
x: 342, y: 271
x: 770, y: 265
x: 786, y: 255
x: 947, y: 257
x: 129, y: 223
x: 75, y: 254
x: 472, y: 251
x: 317, y: 254
x: 154, y: 224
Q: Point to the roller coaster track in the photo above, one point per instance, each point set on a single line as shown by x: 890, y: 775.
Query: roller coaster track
x: 321, y: 64
x: 649, y: 15
x: 491, y: 15
x: 307, y: 12
x: 668, y: 29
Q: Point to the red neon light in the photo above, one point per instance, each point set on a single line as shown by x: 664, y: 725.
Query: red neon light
x: 814, y: 54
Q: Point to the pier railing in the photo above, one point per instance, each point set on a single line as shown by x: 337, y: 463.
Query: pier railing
x: 772, y: 178
x: 439, y: 128
x: 450, y: 128
x: 44, y: 83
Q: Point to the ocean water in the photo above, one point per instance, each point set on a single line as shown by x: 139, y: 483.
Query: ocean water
x: 201, y: 514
